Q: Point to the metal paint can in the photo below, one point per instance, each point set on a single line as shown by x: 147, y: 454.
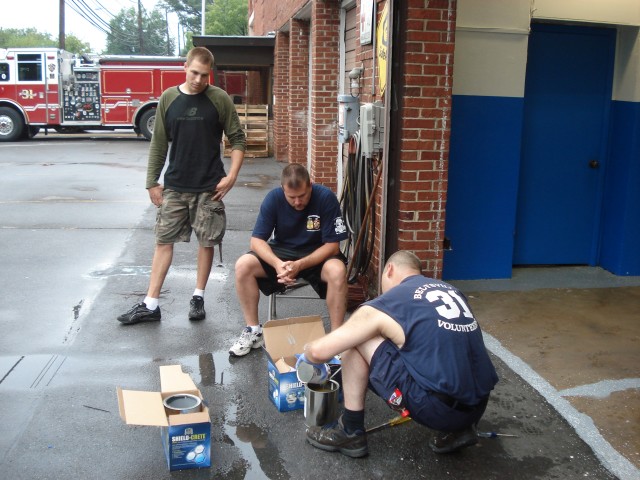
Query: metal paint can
x: 321, y: 403
x: 183, y: 403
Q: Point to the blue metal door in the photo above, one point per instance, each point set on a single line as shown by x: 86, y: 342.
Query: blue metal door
x: 564, y: 145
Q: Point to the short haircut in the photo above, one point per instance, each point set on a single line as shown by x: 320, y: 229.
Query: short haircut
x: 295, y: 175
x: 201, y: 54
x: 405, y: 259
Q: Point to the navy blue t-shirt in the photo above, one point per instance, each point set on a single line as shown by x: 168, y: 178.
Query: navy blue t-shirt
x: 303, y: 231
x: 444, y: 350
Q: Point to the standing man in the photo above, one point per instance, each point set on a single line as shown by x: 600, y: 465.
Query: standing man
x: 192, y: 118
x: 297, y: 235
x: 418, y: 347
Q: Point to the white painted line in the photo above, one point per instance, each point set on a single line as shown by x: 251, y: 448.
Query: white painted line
x: 601, y: 389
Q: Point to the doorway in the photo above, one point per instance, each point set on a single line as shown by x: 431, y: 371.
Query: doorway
x: 564, y: 145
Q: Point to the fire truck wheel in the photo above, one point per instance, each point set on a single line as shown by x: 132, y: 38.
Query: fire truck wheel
x: 11, y: 125
x: 147, y: 122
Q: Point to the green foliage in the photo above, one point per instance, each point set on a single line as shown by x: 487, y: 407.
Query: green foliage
x: 25, y: 37
x: 126, y: 38
x: 222, y: 17
x: 30, y: 37
x: 227, y: 17
x: 74, y: 45
x: 189, y: 13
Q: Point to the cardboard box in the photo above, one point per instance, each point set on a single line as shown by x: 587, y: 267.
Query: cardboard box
x: 284, y: 338
x: 186, y: 437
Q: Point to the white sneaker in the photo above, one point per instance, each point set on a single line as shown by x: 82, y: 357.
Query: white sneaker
x: 248, y: 340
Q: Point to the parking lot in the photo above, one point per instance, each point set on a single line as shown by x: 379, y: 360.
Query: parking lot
x: 76, y: 228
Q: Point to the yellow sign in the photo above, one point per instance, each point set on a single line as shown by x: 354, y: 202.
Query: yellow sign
x: 26, y: 94
x: 382, y: 47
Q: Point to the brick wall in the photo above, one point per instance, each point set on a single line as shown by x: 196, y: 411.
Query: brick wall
x: 272, y: 15
x: 325, y: 26
x: 256, y: 91
x: 280, y: 94
x: 298, y: 95
x: 425, y: 129
x: 419, y: 166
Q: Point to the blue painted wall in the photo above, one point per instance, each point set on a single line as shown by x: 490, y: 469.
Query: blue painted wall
x: 484, y: 164
x: 620, y: 243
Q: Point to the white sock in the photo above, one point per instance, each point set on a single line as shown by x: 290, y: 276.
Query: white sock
x: 256, y: 328
x: 151, y: 303
x: 198, y: 292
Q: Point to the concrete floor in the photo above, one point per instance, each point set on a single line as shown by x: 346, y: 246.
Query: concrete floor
x: 575, y: 331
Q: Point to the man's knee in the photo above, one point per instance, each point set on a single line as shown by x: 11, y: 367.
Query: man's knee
x: 334, y: 272
x: 164, y: 247
x: 243, y: 264
x: 248, y: 266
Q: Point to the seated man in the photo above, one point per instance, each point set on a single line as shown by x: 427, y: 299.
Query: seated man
x: 418, y: 347
x: 297, y: 235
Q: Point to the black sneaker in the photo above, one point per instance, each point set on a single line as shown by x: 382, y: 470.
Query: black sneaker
x: 449, y: 442
x: 333, y: 438
x: 139, y: 313
x: 196, y: 308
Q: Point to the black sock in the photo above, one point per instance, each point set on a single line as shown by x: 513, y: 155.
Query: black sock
x: 353, y: 420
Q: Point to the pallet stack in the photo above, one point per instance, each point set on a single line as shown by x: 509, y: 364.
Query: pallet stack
x: 255, y: 123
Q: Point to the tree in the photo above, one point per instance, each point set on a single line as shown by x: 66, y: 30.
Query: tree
x: 222, y: 17
x: 74, y: 45
x: 227, y: 17
x: 30, y: 37
x: 126, y: 38
x: 189, y: 13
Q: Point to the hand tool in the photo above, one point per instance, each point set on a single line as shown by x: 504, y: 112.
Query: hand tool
x: 494, y: 434
x: 391, y: 423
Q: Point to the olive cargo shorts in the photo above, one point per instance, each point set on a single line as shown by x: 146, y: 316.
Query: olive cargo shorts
x: 182, y: 213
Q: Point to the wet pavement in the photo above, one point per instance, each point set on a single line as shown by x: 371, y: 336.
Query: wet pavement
x: 574, y: 333
x: 61, y: 363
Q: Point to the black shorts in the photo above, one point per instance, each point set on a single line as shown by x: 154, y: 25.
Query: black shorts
x: 312, y: 275
x: 388, y: 372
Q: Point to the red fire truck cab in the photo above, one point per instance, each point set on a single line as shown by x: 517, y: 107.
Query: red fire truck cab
x: 52, y: 88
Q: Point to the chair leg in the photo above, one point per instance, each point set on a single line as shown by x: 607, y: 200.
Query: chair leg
x: 272, y: 307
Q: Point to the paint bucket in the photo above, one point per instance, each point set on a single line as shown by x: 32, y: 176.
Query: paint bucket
x: 321, y: 403
x: 183, y: 403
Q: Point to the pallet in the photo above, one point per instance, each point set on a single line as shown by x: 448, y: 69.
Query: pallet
x: 254, y: 120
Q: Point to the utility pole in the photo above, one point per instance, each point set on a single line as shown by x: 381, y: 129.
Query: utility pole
x: 202, y: 20
x: 61, y: 36
x: 140, y: 27
x: 166, y: 21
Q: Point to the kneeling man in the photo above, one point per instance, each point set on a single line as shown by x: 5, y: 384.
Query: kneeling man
x: 417, y: 346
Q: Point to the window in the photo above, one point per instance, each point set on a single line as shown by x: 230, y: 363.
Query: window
x: 4, y: 72
x: 29, y: 67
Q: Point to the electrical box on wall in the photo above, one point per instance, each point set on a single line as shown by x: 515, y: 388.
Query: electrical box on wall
x: 371, y: 128
x: 348, y: 110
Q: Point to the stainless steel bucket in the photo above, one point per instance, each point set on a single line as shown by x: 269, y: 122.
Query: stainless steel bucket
x: 183, y: 403
x: 321, y: 403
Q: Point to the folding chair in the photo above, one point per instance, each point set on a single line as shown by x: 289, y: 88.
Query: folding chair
x: 286, y: 294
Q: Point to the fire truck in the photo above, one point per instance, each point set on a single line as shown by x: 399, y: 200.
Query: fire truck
x: 48, y: 88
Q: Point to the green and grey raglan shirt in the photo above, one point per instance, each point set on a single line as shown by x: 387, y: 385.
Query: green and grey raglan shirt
x: 193, y: 125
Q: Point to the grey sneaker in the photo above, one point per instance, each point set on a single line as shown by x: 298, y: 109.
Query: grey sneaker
x: 246, y: 342
x: 139, y: 313
x: 196, y: 308
x: 449, y: 442
x: 333, y: 438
